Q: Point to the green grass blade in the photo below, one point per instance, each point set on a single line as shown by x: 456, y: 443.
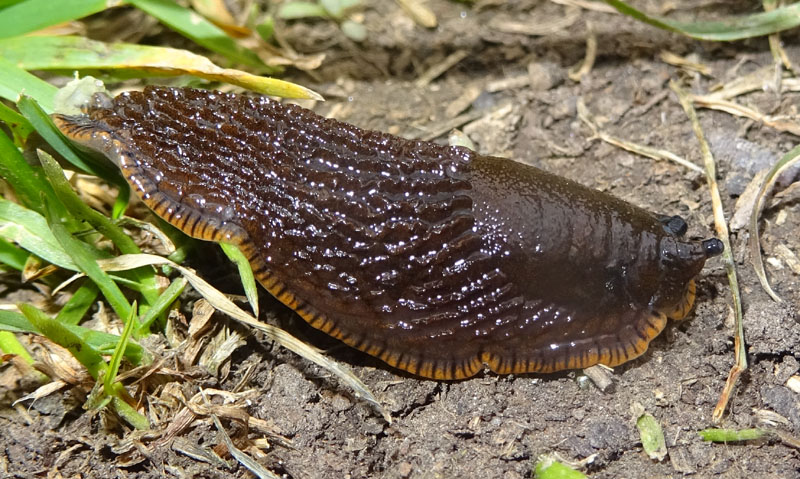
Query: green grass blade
x: 6, y: 3
x: 83, y: 256
x: 15, y: 323
x: 13, y: 256
x: 164, y: 301
x: 225, y: 305
x: 144, y: 276
x: 297, y: 10
x: 245, y: 274
x: 124, y: 59
x: 103, y: 343
x: 122, y: 200
x: 548, y: 468
x: 9, y: 344
x: 56, y: 332
x: 15, y: 122
x: 90, y: 358
x: 731, y: 435
x: 130, y: 414
x: 27, y: 182
x: 80, y: 210
x: 29, y: 230
x: 78, y: 304
x: 191, y: 25
x: 737, y: 28
x: 110, y: 376
x: 15, y: 82
x: 32, y: 15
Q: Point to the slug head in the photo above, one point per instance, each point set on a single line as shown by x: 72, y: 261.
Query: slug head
x: 680, y: 261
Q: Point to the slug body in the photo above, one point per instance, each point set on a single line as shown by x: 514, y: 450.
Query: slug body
x: 434, y: 259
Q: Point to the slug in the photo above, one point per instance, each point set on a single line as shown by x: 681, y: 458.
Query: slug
x: 435, y: 259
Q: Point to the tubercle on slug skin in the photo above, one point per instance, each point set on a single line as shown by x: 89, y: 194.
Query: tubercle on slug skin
x: 434, y: 259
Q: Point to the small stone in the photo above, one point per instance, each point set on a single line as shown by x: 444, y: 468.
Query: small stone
x: 404, y: 469
x: 793, y: 383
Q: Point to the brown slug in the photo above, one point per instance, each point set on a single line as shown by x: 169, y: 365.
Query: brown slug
x: 435, y: 259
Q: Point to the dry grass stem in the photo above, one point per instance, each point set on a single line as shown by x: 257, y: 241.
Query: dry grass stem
x: 779, y: 122
x: 547, y: 26
x: 685, y: 63
x: 740, y: 361
x: 646, y: 151
x: 438, y: 69
x: 577, y: 72
x: 588, y: 5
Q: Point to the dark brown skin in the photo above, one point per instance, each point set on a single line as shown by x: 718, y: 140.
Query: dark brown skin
x: 434, y: 259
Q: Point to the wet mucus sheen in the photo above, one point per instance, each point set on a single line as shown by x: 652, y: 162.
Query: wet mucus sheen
x: 434, y: 259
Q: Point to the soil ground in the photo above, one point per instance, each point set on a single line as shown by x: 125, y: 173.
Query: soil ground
x: 496, y: 426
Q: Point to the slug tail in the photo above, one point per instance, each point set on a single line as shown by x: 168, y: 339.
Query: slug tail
x: 197, y: 223
x: 89, y: 134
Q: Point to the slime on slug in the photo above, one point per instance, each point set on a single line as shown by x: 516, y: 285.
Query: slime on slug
x: 435, y: 259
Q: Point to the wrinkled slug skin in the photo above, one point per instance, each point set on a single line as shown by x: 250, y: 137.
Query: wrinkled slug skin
x: 434, y: 259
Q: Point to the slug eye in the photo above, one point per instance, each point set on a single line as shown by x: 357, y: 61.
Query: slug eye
x: 674, y: 225
x: 713, y: 247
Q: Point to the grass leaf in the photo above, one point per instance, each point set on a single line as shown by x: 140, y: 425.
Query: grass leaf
x: 77, y: 306
x: 56, y: 332
x: 32, y: 15
x: 128, y: 413
x: 145, y: 277
x: 245, y: 274
x: 19, y: 126
x: 193, y: 26
x: 9, y: 344
x: 84, y: 257
x: 103, y: 343
x: 15, y: 82
x: 78, y: 53
x: 29, y: 230
x: 168, y: 297
x: 110, y: 376
x: 28, y: 183
x: 737, y: 28
x: 731, y: 435
x: 13, y: 256
x: 52, y: 135
x: 80, y: 210
x: 548, y: 468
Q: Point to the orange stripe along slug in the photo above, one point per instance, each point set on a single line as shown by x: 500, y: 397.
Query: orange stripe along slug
x: 435, y: 259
